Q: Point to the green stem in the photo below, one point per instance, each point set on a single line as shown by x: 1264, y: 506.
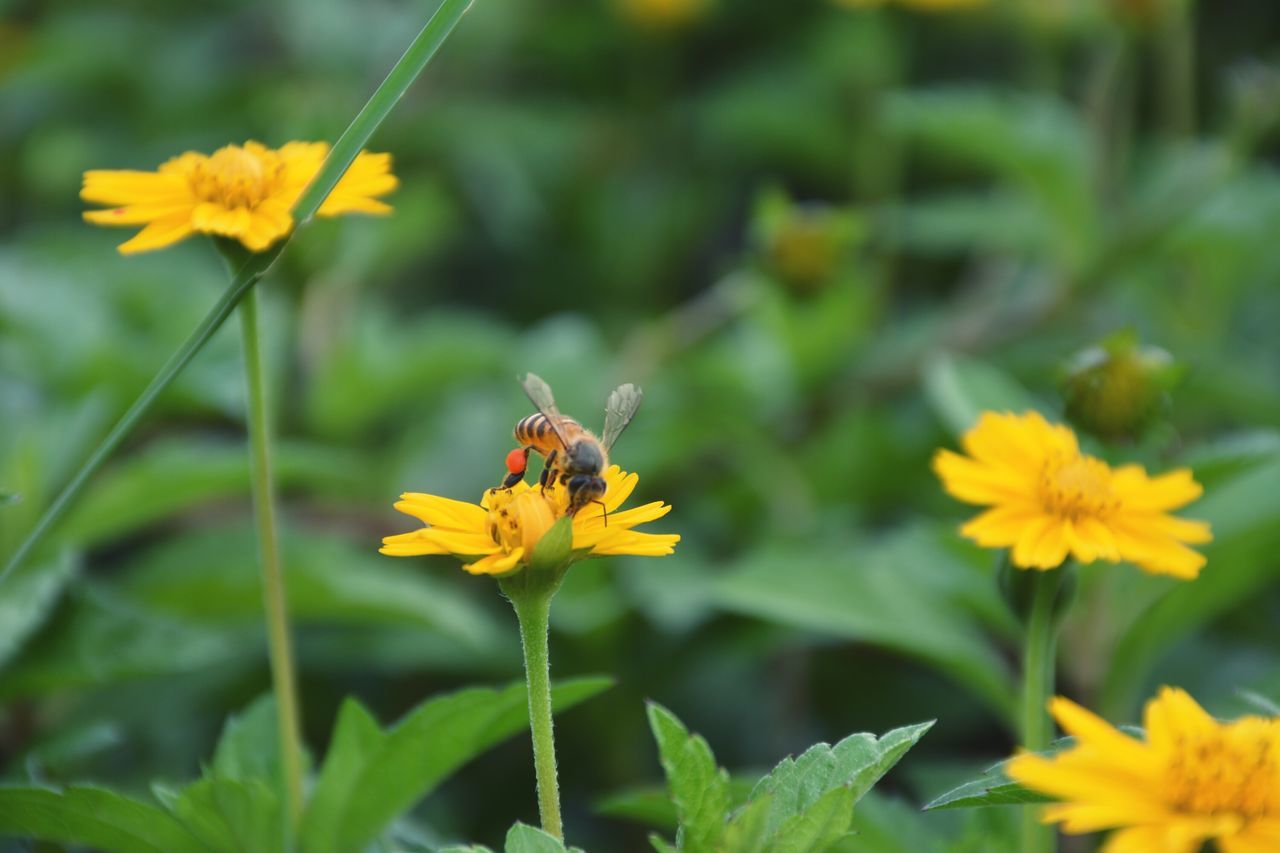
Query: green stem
x: 344, y: 151
x: 533, y: 610
x: 283, y: 677
x: 1037, y: 686
x: 1176, y: 50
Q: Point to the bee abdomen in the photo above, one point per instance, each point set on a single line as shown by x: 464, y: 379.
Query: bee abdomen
x: 535, y: 431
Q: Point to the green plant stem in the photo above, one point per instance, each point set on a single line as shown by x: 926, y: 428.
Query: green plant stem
x: 1037, y: 685
x: 284, y: 681
x: 533, y: 610
x: 344, y: 151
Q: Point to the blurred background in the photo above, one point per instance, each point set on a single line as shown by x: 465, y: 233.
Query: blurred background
x: 821, y: 235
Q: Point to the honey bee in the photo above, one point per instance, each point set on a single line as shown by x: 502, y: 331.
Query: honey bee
x: 575, y: 457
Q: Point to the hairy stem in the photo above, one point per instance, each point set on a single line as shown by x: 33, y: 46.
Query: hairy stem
x: 283, y: 677
x: 533, y: 609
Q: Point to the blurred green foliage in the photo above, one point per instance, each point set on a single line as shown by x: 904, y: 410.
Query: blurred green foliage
x: 822, y: 239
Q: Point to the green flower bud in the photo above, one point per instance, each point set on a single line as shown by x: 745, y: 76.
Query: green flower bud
x: 1118, y: 387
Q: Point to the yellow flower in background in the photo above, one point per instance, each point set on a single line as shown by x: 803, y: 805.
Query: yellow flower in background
x: 663, y: 14
x: 244, y: 192
x: 918, y: 5
x: 1193, y: 780
x: 1048, y: 500
x: 498, y: 535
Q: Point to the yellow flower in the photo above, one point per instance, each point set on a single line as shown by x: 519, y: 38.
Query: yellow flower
x: 918, y: 5
x: 243, y: 192
x: 506, y: 525
x: 1049, y: 500
x: 663, y: 14
x: 1192, y: 780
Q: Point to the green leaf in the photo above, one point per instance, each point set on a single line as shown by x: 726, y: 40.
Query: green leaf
x: 1262, y: 704
x: 232, y: 815
x: 250, y: 744
x: 993, y: 788
x: 29, y: 598
x: 913, y: 592
x: 698, y: 788
x: 370, y: 776
x: 747, y: 832
x: 1158, y: 612
x: 92, y: 817
x: 855, y: 763
x: 961, y: 389
x: 97, y: 639
x: 213, y: 577
x: 177, y: 476
x: 819, y: 826
x: 523, y: 838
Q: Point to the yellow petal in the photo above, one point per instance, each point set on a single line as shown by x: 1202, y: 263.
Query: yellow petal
x: 157, y: 235
x: 442, y: 512
x: 496, y: 564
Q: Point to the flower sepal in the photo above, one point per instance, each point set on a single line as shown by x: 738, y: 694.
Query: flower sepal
x: 1018, y: 587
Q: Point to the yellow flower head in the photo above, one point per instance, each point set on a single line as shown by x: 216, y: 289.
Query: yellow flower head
x: 497, y: 536
x: 244, y: 192
x: 1192, y: 780
x: 663, y: 14
x: 1048, y: 500
x: 918, y: 5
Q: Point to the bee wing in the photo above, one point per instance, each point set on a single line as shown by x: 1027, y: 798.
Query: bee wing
x: 540, y: 395
x: 618, y: 412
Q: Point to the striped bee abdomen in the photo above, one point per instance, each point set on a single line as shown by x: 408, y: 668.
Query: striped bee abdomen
x: 535, y: 431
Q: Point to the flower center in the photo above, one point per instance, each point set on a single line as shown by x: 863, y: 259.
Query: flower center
x: 518, y: 520
x: 234, y: 177
x: 1076, y: 486
x: 1232, y: 771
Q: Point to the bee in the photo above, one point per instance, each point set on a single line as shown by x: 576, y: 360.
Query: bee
x: 575, y: 458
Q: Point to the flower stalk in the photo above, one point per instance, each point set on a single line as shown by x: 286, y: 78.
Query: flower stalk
x: 533, y: 611
x: 530, y: 591
x: 283, y: 676
x: 1039, y: 658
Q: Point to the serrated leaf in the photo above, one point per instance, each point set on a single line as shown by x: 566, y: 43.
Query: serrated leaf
x: 819, y: 826
x: 523, y: 838
x: 856, y: 763
x: 698, y: 787
x: 249, y: 747
x: 994, y: 788
x: 232, y: 815
x: 746, y: 830
x: 370, y: 776
x: 92, y: 817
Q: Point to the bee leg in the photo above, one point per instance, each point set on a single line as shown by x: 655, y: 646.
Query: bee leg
x: 604, y: 511
x: 512, y: 479
x: 546, y: 470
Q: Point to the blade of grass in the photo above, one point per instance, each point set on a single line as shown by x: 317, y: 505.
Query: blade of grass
x: 344, y: 151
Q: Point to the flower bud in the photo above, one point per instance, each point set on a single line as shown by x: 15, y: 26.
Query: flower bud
x: 1115, y: 389
x: 804, y: 246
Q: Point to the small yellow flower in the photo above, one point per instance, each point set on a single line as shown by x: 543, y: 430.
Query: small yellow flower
x: 1193, y: 780
x: 918, y: 5
x: 663, y: 14
x: 498, y: 535
x: 1048, y: 500
x: 244, y: 192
